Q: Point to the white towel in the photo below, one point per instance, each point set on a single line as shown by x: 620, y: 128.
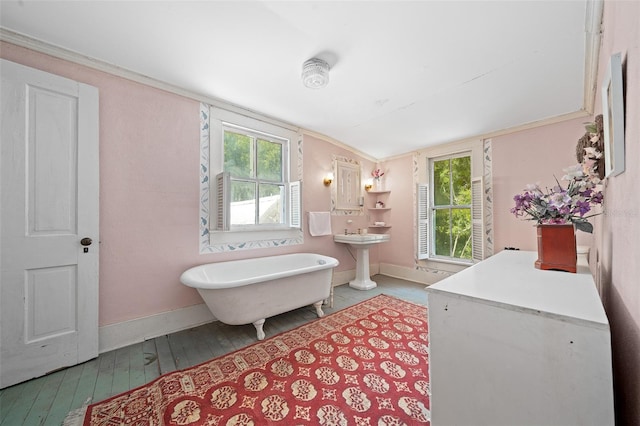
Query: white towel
x: 319, y: 223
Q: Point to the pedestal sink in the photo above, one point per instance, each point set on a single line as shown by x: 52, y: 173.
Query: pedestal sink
x: 361, y: 243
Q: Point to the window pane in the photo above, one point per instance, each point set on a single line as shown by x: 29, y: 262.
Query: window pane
x: 243, y: 203
x: 441, y: 183
x: 461, y: 174
x: 461, y: 233
x: 269, y: 161
x: 238, y: 158
x: 442, y: 232
x: 271, y: 197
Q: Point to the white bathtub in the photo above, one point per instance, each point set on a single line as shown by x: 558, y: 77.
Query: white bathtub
x: 250, y: 290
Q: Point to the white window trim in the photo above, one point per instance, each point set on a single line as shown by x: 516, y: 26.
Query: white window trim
x: 423, y: 251
x: 211, y: 164
x: 220, y: 203
x: 431, y: 211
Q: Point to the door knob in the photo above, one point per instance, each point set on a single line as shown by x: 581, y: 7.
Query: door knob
x: 86, y: 241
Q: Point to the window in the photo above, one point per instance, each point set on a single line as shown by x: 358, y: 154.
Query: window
x: 250, y: 190
x: 451, y: 207
x: 256, y: 166
x: 450, y: 211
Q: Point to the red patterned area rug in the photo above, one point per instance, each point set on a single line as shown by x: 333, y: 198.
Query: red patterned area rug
x: 364, y: 365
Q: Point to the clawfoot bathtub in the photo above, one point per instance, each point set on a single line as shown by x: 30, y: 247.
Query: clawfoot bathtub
x: 251, y: 290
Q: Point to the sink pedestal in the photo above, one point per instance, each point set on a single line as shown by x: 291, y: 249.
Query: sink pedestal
x: 361, y: 244
x: 363, y: 277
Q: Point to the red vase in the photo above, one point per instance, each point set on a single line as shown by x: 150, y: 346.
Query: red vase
x: 556, y: 248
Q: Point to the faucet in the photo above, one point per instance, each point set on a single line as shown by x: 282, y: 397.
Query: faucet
x: 346, y: 230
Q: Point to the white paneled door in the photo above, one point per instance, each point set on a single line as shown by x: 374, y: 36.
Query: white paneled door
x: 48, y: 223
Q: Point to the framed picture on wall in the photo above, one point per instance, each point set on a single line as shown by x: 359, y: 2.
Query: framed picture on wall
x: 613, y: 114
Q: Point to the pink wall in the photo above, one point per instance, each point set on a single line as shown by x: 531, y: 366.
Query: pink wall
x: 317, y: 162
x: 528, y: 157
x: 618, y: 233
x: 148, y: 197
x: 149, y: 193
x: 399, y: 180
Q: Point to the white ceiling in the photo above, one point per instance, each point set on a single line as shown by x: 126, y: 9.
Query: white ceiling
x: 404, y: 74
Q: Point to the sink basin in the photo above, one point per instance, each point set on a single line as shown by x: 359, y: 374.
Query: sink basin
x: 361, y: 239
x: 362, y: 243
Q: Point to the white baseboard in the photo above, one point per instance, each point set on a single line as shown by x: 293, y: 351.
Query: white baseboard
x: 395, y: 271
x: 343, y: 277
x: 410, y: 274
x: 115, y: 336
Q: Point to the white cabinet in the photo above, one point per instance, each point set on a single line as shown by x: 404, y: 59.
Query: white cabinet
x: 514, y: 345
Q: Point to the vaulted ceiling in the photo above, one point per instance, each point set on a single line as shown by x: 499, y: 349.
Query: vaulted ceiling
x: 404, y: 74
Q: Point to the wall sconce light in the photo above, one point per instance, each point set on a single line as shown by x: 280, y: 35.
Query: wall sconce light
x: 328, y: 179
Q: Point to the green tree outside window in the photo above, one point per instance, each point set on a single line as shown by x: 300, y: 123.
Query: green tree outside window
x: 451, y: 210
x: 257, y: 178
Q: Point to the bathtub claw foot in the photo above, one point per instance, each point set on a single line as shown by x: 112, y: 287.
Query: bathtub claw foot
x: 258, y: 325
x: 318, y: 306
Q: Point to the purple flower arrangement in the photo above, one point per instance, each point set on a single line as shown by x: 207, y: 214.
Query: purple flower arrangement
x: 561, y: 205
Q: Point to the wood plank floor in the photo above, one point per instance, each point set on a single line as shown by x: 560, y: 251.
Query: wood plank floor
x: 47, y: 400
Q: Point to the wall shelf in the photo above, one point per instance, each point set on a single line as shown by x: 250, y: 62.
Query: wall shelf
x: 377, y: 214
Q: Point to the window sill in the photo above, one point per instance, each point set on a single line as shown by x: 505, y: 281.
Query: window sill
x: 244, y: 239
x: 450, y: 261
x: 251, y: 229
x: 447, y: 265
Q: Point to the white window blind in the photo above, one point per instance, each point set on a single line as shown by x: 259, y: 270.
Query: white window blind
x: 423, y: 220
x: 223, y: 205
x: 295, y: 207
x: 477, y: 222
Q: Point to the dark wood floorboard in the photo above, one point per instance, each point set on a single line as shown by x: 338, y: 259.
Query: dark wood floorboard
x: 47, y: 400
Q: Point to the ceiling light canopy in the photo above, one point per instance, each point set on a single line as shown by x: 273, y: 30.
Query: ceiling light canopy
x: 315, y: 73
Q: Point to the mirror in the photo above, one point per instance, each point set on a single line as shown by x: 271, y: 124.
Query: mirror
x: 347, y: 186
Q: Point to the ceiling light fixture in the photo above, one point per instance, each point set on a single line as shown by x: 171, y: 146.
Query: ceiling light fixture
x: 315, y: 73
